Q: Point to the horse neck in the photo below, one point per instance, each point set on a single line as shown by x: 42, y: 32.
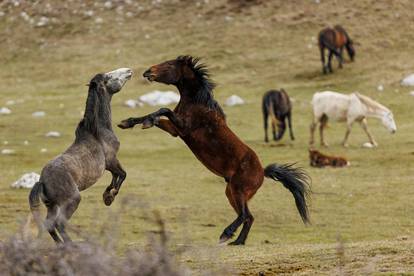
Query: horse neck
x: 375, y: 112
x: 187, y: 89
x: 98, y: 112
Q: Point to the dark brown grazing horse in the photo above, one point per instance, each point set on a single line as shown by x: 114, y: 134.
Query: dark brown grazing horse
x: 335, y: 39
x: 320, y: 160
x: 277, y: 105
x: 200, y: 122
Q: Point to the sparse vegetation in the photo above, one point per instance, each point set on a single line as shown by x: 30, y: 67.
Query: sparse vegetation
x: 250, y: 48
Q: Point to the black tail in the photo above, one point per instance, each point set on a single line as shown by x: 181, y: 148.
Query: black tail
x: 34, y: 202
x: 297, y: 181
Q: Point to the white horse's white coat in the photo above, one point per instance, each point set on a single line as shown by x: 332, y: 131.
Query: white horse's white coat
x: 348, y: 108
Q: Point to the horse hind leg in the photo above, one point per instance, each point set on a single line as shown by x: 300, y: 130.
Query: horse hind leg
x: 67, y: 212
x: 323, y: 122
x: 248, y: 222
x: 229, y: 231
x: 289, y: 118
x: 51, y: 221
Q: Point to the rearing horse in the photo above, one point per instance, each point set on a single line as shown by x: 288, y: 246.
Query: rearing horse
x: 200, y: 122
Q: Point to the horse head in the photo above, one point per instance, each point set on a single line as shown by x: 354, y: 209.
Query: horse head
x: 115, y: 80
x: 388, y: 121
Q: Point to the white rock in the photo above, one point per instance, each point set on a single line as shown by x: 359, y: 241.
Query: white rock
x: 25, y: 142
x: 43, y: 21
x: 89, y: 13
x: 234, y: 100
x: 43, y: 150
x: 108, y: 4
x: 98, y: 20
x: 367, y: 145
x: 10, y: 102
x: 408, y: 80
x: 7, y: 151
x: 412, y: 93
x: 133, y: 103
x: 4, y: 111
x: 380, y: 88
x: 52, y: 134
x: 2, y: 13
x: 160, y: 98
x: 147, y: 36
x: 5, y: 142
x: 26, y: 181
x: 38, y: 114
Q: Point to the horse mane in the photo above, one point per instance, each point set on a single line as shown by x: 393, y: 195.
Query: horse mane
x: 204, y: 95
x: 97, y: 110
x: 370, y: 103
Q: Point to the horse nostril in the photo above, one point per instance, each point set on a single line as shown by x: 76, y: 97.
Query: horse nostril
x: 147, y: 73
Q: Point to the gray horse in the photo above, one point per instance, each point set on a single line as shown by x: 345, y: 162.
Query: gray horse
x: 85, y: 161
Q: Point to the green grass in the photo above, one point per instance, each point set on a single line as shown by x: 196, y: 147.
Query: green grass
x: 369, y: 205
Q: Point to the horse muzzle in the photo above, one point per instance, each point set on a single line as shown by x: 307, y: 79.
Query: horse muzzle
x: 148, y: 75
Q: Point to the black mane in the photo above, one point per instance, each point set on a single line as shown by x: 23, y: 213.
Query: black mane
x: 97, y: 111
x: 204, y: 94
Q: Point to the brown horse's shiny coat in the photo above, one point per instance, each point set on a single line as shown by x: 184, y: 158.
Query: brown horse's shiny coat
x: 335, y: 40
x: 200, y: 122
x: 320, y: 160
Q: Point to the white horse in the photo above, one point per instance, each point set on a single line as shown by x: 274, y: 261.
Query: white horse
x: 349, y: 108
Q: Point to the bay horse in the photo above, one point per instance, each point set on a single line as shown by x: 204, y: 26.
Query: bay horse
x: 335, y: 40
x: 84, y: 162
x: 320, y: 160
x: 200, y: 122
x: 276, y: 105
x: 349, y: 108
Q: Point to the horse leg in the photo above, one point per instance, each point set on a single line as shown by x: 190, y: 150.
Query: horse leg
x: 229, y: 230
x: 340, y: 57
x: 67, y: 212
x: 248, y: 222
x: 312, y: 132
x: 274, y: 123
x: 51, y: 217
x: 153, y: 119
x: 322, y: 50
x: 323, y: 123
x: 364, y: 126
x: 330, y: 61
x: 118, y: 177
x: 265, y: 125
x: 281, y: 129
x: 348, y: 131
x: 289, y: 118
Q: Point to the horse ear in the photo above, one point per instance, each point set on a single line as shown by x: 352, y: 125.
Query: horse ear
x: 188, y: 72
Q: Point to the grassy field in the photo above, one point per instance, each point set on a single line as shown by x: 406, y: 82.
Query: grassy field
x: 363, y: 215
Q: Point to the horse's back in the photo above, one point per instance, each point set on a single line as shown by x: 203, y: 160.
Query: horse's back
x: 82, y: 164
x: 332, y: 104
x: 278, y: 100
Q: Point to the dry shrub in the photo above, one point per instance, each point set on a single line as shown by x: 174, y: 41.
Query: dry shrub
x: 23, y: 256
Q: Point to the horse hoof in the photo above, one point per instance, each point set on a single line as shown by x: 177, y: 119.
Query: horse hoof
x: 148, y: 123
x: 236, y: 243
x: 224, y: 237
x: 108, y: 199
x: 125, y: 124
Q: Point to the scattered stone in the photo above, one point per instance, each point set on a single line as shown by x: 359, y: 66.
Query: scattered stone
x: 43, y: 21
x: 133, y: 103
x: 53, y: 134
x: 411, y: 93
x: 10, y: 102
x: 147, y: 36
x: 26, y: 143
x: 5, y: 142
x: 27, y: 181
x: 380, y: 88
x: 7, y: 151
x: 408, y: 80
x: 89, y: 13
x: 234, y: 100
x: 368, y: 145
x: 160, y: 98
x: 43, y: 150
x: 98, y: 20
x: 108, y: 5
x: 38, y: 114
x: 4, y: 111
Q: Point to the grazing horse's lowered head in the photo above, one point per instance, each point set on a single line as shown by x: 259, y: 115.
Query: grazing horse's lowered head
x: 84, y: 162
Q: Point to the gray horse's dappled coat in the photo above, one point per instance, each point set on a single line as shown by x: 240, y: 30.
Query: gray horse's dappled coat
x: 84, y: 162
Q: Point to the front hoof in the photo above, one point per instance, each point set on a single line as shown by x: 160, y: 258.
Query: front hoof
x: 149, y: 122
x: 109, y: 197
x: 128, y: 123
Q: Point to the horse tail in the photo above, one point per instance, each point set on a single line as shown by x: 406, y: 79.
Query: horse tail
x: 297, y: 181
x: 34, y: 203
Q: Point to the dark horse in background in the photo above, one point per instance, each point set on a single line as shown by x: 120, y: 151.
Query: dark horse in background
x: 84, y: 162
x: 276, y: 105
x: 200, y: 122
x: 335, y: 40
